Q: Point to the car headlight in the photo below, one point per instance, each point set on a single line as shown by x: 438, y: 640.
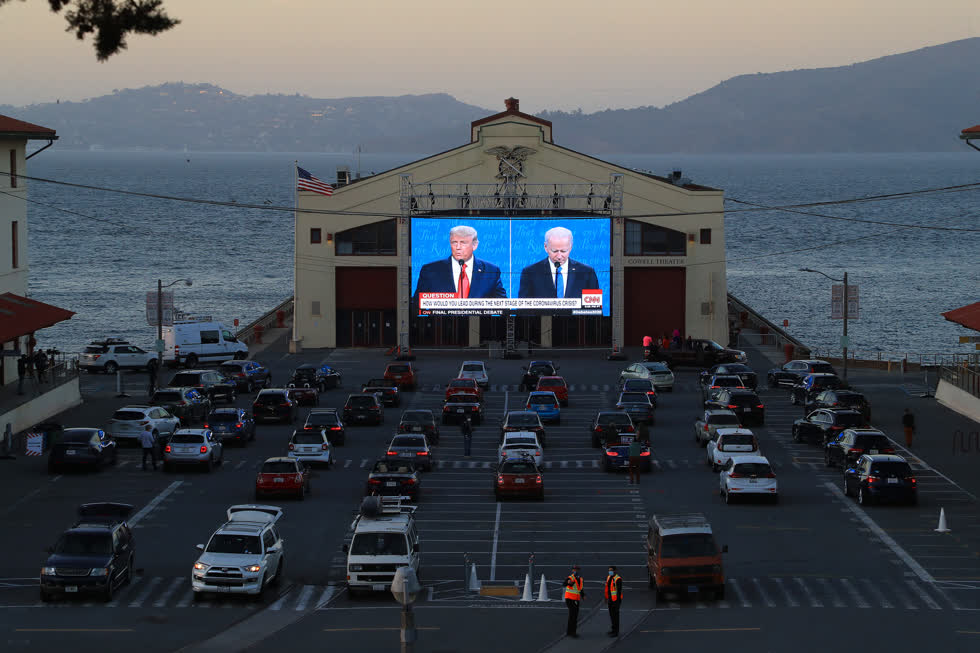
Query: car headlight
x: 200, y: 566
x: 254, y: 568
x: 48, y: 571
x: 356, y: 567
x: 98, y: 571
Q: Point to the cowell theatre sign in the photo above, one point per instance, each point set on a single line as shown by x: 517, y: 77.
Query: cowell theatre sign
x: 669, y: 261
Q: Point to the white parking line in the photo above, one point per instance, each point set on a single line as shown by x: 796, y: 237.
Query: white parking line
x: 148, y: 508
x: 928, y: 600
x: 162, y: 600
x: 496, y: 538
x: 762, y: 592
x: 304, y: 597
x: 811, y: 597
x: 138, y: 601
x: 854, y: 594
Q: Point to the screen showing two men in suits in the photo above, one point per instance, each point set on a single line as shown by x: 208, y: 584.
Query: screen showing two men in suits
x: 492, y: 266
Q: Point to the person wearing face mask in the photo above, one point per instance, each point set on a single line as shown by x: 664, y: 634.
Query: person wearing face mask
x: 574, y: 593
x: 557, y: 275
x: 462, y: 273
x: 614, y: 599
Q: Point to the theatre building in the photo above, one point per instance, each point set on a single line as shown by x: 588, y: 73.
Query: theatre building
x: 374, y: 267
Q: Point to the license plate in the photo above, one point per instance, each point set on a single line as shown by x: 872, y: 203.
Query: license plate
x: 626, y: 439
x: 518, y: 480
x: 753, y: 480
x: 70, y: 452
x: 223, y: 589
x: 361, y: 417
x: 459, y: 410
x: 692, y: 589
x: 378, y: 588
x: 279, y: 480
x: 408, y: 454
x: 893, y: 480
x: 874, y: 451
x: 71, y: 588
x: 391, y: 484
x: 746, y: 410
x: 416, y: 429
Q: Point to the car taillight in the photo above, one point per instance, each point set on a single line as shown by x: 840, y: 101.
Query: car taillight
x: 736, y: 475
x: 629, y: 429
x: 537, y: 479
x: 166, y: 449
x: 555, y: 406
x: 239, y: 425
x: 732, y: 405
x: 537, y: 453
x: 96, y: 357
x: 374, y: 481
x: 421, y: 453
x: 611, y: 453
x: 206, y: 426
x: 911, y: 480
x: 445, y: 409
x: 887, y: 450
x: 241, y: 375
x: 284, y: 404
x: 705, y: 427
x: 144, y: 423
x: 644, y: 453
x: 855, y: 451
x: 873, y: 479
x: 500, y: 479
x: 392, y: 453
x: 771, y: 475
x: 334, y: 428
x: 598, y: 429
x: 409, y: 481
x: 182, y: 403
x: 291, y: 447
x: 204, y: 448
x: 721, y: 447
x: 760, y: 406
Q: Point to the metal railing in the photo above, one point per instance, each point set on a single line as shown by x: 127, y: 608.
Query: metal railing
x: 963, y: 377
x: 922, y: 359
x: 247, y: 333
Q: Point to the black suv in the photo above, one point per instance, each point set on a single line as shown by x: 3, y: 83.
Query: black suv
x: 420, y: 421
x: 793, y: 372
x: 842, y: 399
x: 749, y: 378
x: 328, y: 420
x: 309, y: 375
x: 811, y: 386
x: 94, y: 556
x: 364, y: 408
x: 274, y: 404
x: 613, y: 419
x: 534, y: 371
x: 850, y: 445
x: 248, y: 375
x: 211, y: 383
x: 822, y: 425
x: 743, y: 402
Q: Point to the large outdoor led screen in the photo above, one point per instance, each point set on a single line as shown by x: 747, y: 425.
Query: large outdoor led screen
x: 546, y: 266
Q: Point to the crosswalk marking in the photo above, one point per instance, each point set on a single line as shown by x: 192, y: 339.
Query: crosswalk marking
x: 873, y: 589
x: 762, y: 592
x: 138, y: 601
x: 853, y: 593
x: 918, y: 589
x: 304, y: 597
x: 789, y: 597
x: 741, y: 595
x: 835, y: 597
x: 162, y: 600
x: 811, y: 597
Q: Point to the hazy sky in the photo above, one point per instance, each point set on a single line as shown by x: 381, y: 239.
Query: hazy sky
x: 552, y: 54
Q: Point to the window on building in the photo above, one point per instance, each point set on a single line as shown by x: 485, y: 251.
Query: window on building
x: 316, y: 308
x: 375, y: 239
x: 13, y: 168
x: 315, y: 235
x: 644, y: 239
x: 706, y: 236
x: 14, y: 259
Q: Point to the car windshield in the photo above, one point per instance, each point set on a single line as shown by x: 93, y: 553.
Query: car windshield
x: 541, y: 399
x: 128, y: 415
x: 398, y: 369
x: 270, y: 398
x: 307, y: 438
x: 472, y: 367
x: 184, y: 379
x: 187, y: 438
x: 462, y: 383
x: 849, y: 419
x: 379, y: 544
x: 166, y: 396
x: 522, y: 419
x: 614, y: 418
x: 384, y: 467
x: 232, y: 543
x: 520, y: 443
x: 361, y: 402
x: 688, y: 546
x: 723, y: 419
x: 737, y: 438
x: 518, y: 468
x: 634, y: 398
x: 321, y: 419
x: 872, y: 442
x: 84, y: 544
x: 823, y: 368
x: 752, y: 469
x: 229, y: 369
x: 223, y: 418
x: 279, y: 467
x: 408, y: 442
x: 891, y: 468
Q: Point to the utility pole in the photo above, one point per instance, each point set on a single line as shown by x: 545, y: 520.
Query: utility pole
x: 845, y: 343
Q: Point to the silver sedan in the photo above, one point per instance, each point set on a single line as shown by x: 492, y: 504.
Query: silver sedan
x: 193, y: 447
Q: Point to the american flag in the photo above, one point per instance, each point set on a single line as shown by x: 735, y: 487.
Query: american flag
x: 306, y: 181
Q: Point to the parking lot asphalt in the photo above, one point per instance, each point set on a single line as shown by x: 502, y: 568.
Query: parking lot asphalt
x: 814, y: 570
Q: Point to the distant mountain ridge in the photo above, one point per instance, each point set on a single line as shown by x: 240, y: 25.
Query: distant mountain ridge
x: 914, y: 101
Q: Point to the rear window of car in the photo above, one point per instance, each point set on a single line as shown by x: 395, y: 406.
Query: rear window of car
x: 462, y: 383
x: 722, y: 419
x: 398, y: 369
x: 472, y: 368
x: 872, y: 442
x: 187, y: 438
x: 552, y: 383
x: 752, y: 469
x: 269, y: 398
x: 517, y: 468
x: 128, y: 415
x: 849, y: 419
x: 542, y: 370
x: 96, y: 350
x: 744, y: 400
x: 692, y: 545
x: 166, y: 396
x: 727, y: 381
x: 822, y: 368
x: 184, y: 379
x: 361, y: 402
x: 321, y: 419
x: 657, y: 367
x: 614, y: 418
x: 278, y: 467
x: 520, y: 443
x: 636, y: 385
x: 223, y: 417
x: 416, y: 416
x: 408, y: 442
x: 382, y: 467
x: 77, y: 437
x: 891, y: 468
x: 463, y: 399
x: 541, y: 399
x: 634, y: 398
x: 522, y: 419
x: 307, y: 438
x: 738, y: 438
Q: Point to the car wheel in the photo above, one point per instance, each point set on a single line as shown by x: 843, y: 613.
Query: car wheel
x: 129, y: 570
x: 720, y: 594
x: 775, y: 498
x: 111, y: 368
x: 258, y: 495
x: 914, y: 501
x: 496, y: 496
x: 715, y: 468
x: 595, y: 442
x: 650, y: 580
x: 191, y: 360
x: 199, y: 596
x: 108, y: 592
x: 258, y: 596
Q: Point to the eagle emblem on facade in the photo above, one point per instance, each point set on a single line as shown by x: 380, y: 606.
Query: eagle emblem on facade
x: 510, y: 160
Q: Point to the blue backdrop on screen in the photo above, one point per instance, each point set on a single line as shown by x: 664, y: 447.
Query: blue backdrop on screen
x: 513, y: 244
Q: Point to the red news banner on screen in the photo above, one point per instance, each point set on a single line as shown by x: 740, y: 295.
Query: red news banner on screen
x: 447, y: 303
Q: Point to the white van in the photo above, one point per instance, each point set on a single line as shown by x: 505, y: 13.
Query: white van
x: 191, y: 343
x: 385, y: 538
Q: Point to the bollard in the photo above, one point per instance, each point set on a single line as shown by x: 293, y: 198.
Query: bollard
x: 280, y: 319
x: 258, y: 333
x: 119, y: 385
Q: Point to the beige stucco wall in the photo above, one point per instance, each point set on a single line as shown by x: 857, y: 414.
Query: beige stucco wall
x: 13, y: 207
x: 378, y: 198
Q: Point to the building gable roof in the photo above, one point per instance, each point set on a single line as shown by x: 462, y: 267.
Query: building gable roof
x: 512, y: 111
x: 21, y: 129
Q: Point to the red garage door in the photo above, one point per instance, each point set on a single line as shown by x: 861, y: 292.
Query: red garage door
x: 654, y: 300
x: 366, y: 301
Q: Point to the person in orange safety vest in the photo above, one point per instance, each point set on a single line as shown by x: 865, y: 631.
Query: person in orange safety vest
x: 614, y: 599
x: 574, y: 593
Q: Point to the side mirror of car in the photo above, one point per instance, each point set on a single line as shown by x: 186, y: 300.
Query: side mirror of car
x: 724, y: 549
x: 199, y: 547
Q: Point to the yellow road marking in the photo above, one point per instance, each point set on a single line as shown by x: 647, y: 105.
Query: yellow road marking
x: 349, y: 630
x: 73, y: 630
x: 699, y: 630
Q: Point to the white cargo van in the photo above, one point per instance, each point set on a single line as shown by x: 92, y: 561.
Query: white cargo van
x: 384, y: 539
x: 191, y: 343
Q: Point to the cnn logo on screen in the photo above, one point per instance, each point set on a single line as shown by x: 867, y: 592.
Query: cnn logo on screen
x: 591, y: 298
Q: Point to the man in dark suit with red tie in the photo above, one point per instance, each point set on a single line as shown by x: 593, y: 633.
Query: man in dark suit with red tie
x: 557, y: 275
x: 462, y: 273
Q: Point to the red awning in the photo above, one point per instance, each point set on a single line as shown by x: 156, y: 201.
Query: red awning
x: 20, y: 316
x: 968, y: 316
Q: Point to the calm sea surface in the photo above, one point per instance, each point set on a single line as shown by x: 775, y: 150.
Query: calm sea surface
x: 97, y: 253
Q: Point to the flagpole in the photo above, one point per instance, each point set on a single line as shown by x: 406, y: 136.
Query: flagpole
x: 294, y: 345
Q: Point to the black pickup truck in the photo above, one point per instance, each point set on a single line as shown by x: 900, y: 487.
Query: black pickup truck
x: 701, y: 352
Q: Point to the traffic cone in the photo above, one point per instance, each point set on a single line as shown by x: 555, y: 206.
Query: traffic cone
x: 942, y: 522
x: 543, y: 590
x: 528, y: 592
x: 474, y: 585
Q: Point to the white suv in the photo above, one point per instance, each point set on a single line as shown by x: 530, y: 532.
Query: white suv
x: 111, y: 354
x: 244, y: 556
x: 129, y: 421
x: 476, y: 370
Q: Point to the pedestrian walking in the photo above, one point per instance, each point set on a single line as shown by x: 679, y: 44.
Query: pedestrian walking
x: 21, y: 373
x: 614, y: 599
x: 40, y: 364
x: 149, y: 444
x: 636, y: 450
x: 466, y: 426
x: 574, y: 593
x: 908, y: 426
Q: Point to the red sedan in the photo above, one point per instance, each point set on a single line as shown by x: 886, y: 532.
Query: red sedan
x: 283, y: 476
x: 404, y: 374
x: 464, y: 386
x: 518, y: 478
x: 555, y: 384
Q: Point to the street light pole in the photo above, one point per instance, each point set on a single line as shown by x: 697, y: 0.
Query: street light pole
x: 844, y: 342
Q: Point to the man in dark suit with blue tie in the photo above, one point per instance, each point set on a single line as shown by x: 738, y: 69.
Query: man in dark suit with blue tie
x: 557, y: 275
x: 462, y: 273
